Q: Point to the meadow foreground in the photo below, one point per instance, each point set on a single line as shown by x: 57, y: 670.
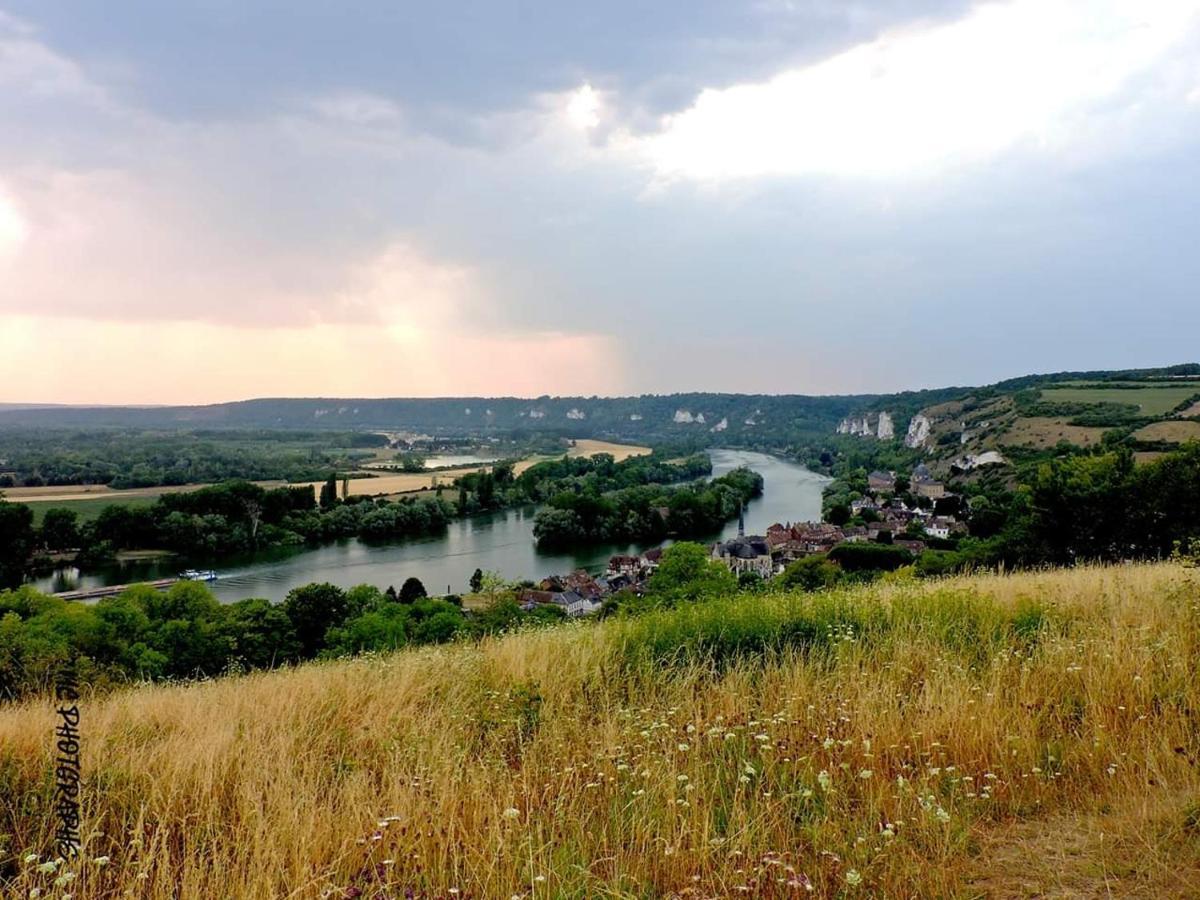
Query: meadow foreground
x: 1034, y: 734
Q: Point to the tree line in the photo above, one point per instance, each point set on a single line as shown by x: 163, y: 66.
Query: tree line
x: 644, y: 514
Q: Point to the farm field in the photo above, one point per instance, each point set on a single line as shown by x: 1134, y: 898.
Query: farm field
x: 1174, y: 430
x: 411, y: 482
x: 1043, y: 432
x: 621, y: 452
x: 88, y: 510
x: 1020, y: 735
x: 1157, y: 400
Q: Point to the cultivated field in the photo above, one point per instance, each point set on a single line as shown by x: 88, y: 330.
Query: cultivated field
x: 89, y: 499
x: 1032, y: 735
x: 409, y: 482
x: 1174, y: 430
x: 1157, y: 400
x: 1042, y: 432
x: 622, y: 452
x: 88, y: 510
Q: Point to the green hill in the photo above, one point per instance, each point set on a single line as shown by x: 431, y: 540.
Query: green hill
x: 989, y: 736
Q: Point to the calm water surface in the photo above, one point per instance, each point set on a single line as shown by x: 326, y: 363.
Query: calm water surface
x: 500, y: 541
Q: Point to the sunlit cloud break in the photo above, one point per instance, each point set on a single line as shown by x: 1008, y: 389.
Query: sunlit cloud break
x: 923, y: 96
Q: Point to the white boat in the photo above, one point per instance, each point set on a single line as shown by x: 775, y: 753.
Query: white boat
x: 198, y: 575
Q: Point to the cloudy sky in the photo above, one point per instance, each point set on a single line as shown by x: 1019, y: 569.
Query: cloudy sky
x: 221, y: 200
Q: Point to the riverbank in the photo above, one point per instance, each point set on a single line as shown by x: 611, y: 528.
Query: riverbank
x: 501, y: 542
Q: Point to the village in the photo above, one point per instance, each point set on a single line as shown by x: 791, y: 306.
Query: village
x: 880, y: 516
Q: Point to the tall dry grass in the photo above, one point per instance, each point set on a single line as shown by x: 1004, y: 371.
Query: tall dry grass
x: 977, y: 736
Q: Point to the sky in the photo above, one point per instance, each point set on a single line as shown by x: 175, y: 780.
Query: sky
x: 214, y: 201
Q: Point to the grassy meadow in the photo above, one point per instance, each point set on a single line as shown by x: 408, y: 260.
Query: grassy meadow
x: 1151, y: 399
x: 1031, y: 734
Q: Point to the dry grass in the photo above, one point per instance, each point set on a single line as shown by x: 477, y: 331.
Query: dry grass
x: 620, y: 452
x: 997, y: 736
x: 1192, y: 412
x: 1042, y: 432
x: 66, y: 492
x: 1176, y: 431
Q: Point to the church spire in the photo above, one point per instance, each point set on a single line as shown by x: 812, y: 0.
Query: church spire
x: 741, y: 521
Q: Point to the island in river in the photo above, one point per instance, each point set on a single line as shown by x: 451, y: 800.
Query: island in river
x: 500, y: 541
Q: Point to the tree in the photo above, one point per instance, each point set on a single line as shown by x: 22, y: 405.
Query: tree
x: 411, y: 590
x: 60, y: 529
x: 811, y: 573
x: 313, y: 610
x: 261, y: 633
x: 16, y: 541
x: 686, y: 573
x: 492, y: 583
x: 870, y: 557
x: 476, y: 581
x: 329, y: 493
x: 839, y: 514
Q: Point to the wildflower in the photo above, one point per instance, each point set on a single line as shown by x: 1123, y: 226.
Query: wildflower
x: 853, y: 878
x: 683, y: 748
x: 942, y: 815
x: 100, y: 861
x: 824, y: 780
x: 48, y: 866
x: 35, y: 892
x: 64, y: 879
x: 865, y: 774
x: 749, y: 769
x: 512, y: 812
x: 828, y: 743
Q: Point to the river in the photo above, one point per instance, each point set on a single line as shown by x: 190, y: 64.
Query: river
x: 500, y: 541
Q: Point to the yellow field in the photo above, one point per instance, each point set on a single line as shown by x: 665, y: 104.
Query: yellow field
x: 409, y: 482
x: 1176, y: 430
x: 621, y: 452
x: 1192, y: 412
x: 1030, y: 735
x: 379, y: 485
x: 59, y: 493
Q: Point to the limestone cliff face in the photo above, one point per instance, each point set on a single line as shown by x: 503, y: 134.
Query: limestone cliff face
x: 918, y: 432
x: 884, y: 428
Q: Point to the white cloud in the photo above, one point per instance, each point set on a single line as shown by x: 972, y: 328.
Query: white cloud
x: 919, y: 98
x: 583, y: 108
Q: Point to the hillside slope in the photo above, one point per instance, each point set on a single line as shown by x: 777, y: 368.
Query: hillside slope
x: 980, y: 736
x: 1149, y: 410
